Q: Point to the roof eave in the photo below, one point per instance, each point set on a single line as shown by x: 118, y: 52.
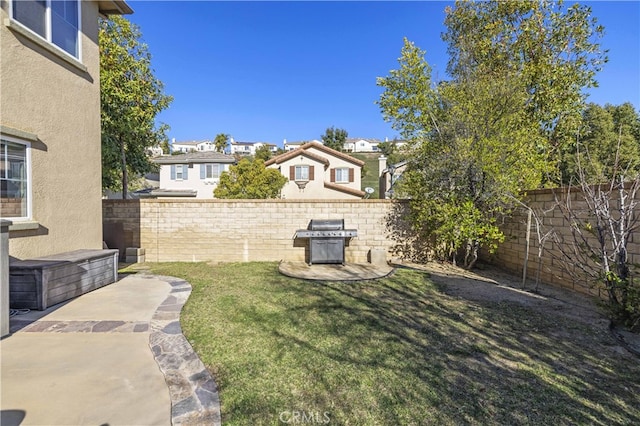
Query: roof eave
x: 114, y: 7
x: 186, y: 193
x: 345, y: 189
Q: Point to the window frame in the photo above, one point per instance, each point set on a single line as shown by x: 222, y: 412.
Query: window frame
x: 28, y: 177
x: 48, y: 37
x: 179, y: 168
x: 300, y: 177
x: 339, y: 171
x: 209, y: 168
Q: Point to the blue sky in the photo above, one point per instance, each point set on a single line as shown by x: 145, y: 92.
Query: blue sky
x: 266, y: 71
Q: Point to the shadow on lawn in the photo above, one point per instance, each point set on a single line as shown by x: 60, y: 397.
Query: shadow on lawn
x: 459, y: 361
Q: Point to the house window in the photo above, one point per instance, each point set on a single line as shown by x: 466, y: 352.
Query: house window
x: 210, y: 171
x: 302, y: 173
x: 14, y: 180
x: 57, y: 21
x: 179, y: 172
x: 342, y: 175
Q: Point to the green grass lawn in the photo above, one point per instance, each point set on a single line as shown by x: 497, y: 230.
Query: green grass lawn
x: 370, y: 178
x: 395, y: 351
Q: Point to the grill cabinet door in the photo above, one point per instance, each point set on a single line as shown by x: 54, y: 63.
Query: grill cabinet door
x: 326, y: 250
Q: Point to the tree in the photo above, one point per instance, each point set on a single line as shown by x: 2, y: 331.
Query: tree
x: 334, y: 138
x: 220, y: 142
x: 263, y: 152
x: 475, y: 153
x: 552, y: 50
x: 250, y: 180
x: 166, y: 149
x: 518, y: 73
x: 604, y: 131
x: 391, y: 150
x: 131, y: 98
x: 603, y: 221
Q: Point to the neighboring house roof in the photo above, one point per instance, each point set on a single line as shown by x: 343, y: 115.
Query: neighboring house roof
x: 190, y: 143
x: 303, y: 150
x: 291, y: 154
x: 345, y: 189
x: 173, y: 193
x: 251, y: 143
x: 371, y: 140
x: 196, y: 158
x: 302, y: 142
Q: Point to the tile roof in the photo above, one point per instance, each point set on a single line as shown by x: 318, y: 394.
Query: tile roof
x: 345, y: 189
x: 191, y: 143
x: 372, y: 140
x: 173, y: 193
x: 251, y: 143
x: 196, y: 157
x: 303, y: 150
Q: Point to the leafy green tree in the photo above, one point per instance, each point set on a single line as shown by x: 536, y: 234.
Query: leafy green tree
x: 131, y: 98
x: 410, y: 99
x: 476, y: 151
x: 609, y: 138
x: 166, y: 149
x: 518, y: 73
x: 250, y: 180
x: 263, y: 153
x: 391, y: 150
x: 220, y: 142
x: 551, y: 50
x: 334, y: 138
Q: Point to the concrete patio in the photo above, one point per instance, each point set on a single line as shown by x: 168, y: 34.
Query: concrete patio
x: 114, y: 356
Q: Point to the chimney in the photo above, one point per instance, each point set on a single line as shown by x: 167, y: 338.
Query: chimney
x: 382, y: 164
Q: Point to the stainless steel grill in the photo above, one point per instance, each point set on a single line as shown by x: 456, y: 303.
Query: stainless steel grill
x: 326, y: 240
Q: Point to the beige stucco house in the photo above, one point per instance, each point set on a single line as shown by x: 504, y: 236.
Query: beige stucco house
x: 319, y: 172
x: 194, y: 175
x: 50, y: 145
x: 50, y: 116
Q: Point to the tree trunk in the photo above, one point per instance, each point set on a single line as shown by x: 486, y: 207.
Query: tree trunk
x: 123, y: 156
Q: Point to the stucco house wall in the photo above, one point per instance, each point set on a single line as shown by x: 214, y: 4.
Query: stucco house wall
x: 195, y: 179
x: 191, y: 146
x: 361, y: 145
x: 320, y: 185
x: 51, y: 101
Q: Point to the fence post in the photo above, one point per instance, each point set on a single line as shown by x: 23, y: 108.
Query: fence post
x: 4, y: 277
x: 526, y: 250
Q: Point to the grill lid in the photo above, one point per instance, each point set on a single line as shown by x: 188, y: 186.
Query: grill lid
x: 326, y: 224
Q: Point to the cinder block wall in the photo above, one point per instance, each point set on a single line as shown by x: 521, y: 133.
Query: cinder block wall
x: 238, y: 230
x: 263, y: 230
x: 554, y: 269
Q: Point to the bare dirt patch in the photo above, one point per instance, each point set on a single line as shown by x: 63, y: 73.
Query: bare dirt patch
x: 491, y: 285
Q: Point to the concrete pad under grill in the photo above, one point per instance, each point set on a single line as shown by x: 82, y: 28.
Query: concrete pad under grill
x: 334, y: 272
